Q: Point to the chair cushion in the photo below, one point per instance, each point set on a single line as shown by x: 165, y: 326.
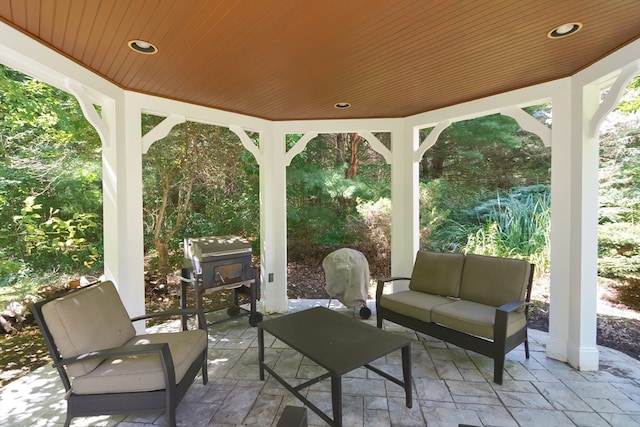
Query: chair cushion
x: 474, y: 318
x: 144, y: 372
x: 87, y: 320
x: 413, y: 303
x: 494, y: 281
x: 437, y: 273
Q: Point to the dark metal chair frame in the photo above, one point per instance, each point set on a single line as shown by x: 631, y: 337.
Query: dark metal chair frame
x: 85, y: 405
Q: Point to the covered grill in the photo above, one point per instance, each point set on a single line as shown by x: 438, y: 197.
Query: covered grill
x: 347, y: 279
x: 221, y: 262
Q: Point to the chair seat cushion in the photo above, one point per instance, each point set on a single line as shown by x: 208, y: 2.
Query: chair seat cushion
x: 413, y: 303
x: 475, y: 318
x: 144, y: 372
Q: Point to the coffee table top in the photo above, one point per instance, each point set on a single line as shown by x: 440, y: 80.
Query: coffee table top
x: 336, y: 342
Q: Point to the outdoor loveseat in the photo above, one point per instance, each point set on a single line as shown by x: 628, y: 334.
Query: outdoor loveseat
x: 475, y: 302
x: 105, y: 367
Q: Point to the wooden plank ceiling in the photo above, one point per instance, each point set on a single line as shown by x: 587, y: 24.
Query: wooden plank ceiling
x: 293, y: 59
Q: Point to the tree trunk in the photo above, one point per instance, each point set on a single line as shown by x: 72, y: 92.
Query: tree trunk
x: 352, y: 170
x: 339, y: 148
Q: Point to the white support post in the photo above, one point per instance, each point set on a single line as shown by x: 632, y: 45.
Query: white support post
x: 273, y: 222
x: 405, y: 201
x: 122, y: 198
x: 574, y: 236
x: 560, y: 231
x: 582, y: 351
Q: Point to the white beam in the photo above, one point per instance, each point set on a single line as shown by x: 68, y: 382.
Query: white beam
x: 613, y: 97
x: 430, y: 140
x: 376, y: 145
x: 161, y: 130
x: 298, y: 147
x: 529, y: 123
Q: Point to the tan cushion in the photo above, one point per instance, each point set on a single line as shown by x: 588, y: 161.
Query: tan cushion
x: 413, y: 304
x: 143, y: 373
x: 475, y: 319
x: 494, y: 281
x: 87, y: 320
x: 437, y: 273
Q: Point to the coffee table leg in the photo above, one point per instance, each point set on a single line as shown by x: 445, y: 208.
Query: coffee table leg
x: 261, y: 352
x: 336, y: 399
x: 406, y: 373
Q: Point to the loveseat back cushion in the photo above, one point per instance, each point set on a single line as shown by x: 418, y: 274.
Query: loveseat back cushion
x: 494, y: 281
x: 87, y: 320
x: 437, y: 273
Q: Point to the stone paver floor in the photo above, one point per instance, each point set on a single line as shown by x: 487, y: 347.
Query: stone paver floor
x: 451, y: 386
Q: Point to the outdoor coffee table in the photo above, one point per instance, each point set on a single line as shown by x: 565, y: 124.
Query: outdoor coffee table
x: 337, y: 343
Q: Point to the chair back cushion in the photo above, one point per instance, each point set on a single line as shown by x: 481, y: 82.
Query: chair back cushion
x: 494, y: 281
x: 87, y: 320
x: 437, y: 273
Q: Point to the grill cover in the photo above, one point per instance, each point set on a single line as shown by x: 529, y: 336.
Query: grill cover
x: 347, y: 276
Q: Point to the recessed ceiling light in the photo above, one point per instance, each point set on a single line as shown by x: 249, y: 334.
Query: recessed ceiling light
x: 564, y: 30
x: 342, y: 105
x: 142, y: 46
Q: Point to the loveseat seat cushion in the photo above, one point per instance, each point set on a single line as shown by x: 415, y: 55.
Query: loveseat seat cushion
x: 437, y: 273
x: 88, y: 320
x: 474, y: 318
x: 144, y: 372
x: 494, y: 281
x: 413, y: 303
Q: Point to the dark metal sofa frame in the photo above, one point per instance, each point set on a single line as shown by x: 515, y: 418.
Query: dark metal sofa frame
x: 496, y: 349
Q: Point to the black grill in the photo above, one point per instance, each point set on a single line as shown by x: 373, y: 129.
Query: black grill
x: 221, y: 262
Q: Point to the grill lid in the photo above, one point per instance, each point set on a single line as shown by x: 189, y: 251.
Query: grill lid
x: 202, y: 248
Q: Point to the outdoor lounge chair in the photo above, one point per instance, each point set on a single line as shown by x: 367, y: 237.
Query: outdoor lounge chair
x: 105, y: 367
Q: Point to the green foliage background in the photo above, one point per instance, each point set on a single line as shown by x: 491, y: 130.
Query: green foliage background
x: 484, y: 188
x: 50, y: 182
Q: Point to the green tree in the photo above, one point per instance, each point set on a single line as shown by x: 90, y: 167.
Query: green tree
x: 197, y: 181
x: 619, y: 174
x: 327, y: 185
x: 472, y: 161
x: 50, y: 178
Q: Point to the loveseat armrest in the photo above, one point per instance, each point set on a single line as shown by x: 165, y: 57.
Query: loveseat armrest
x: 180, y: 312
x: 382, y: 282
x: 511, y: 306
x: 501, y: 320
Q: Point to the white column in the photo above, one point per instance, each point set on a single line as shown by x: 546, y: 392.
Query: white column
x: 574, y: 229
x: 122, y: 198
x: 273, y: 222
x: 560, y: 230
x: 405, y: 202
x: 582, y: 352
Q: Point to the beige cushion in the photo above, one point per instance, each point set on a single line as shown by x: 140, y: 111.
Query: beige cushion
x: 474, y: 318
x: 143, y: 373
x: 494, y: 281
x: 437, y: 273
x: 87, y: 320
x: 413, y: 304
